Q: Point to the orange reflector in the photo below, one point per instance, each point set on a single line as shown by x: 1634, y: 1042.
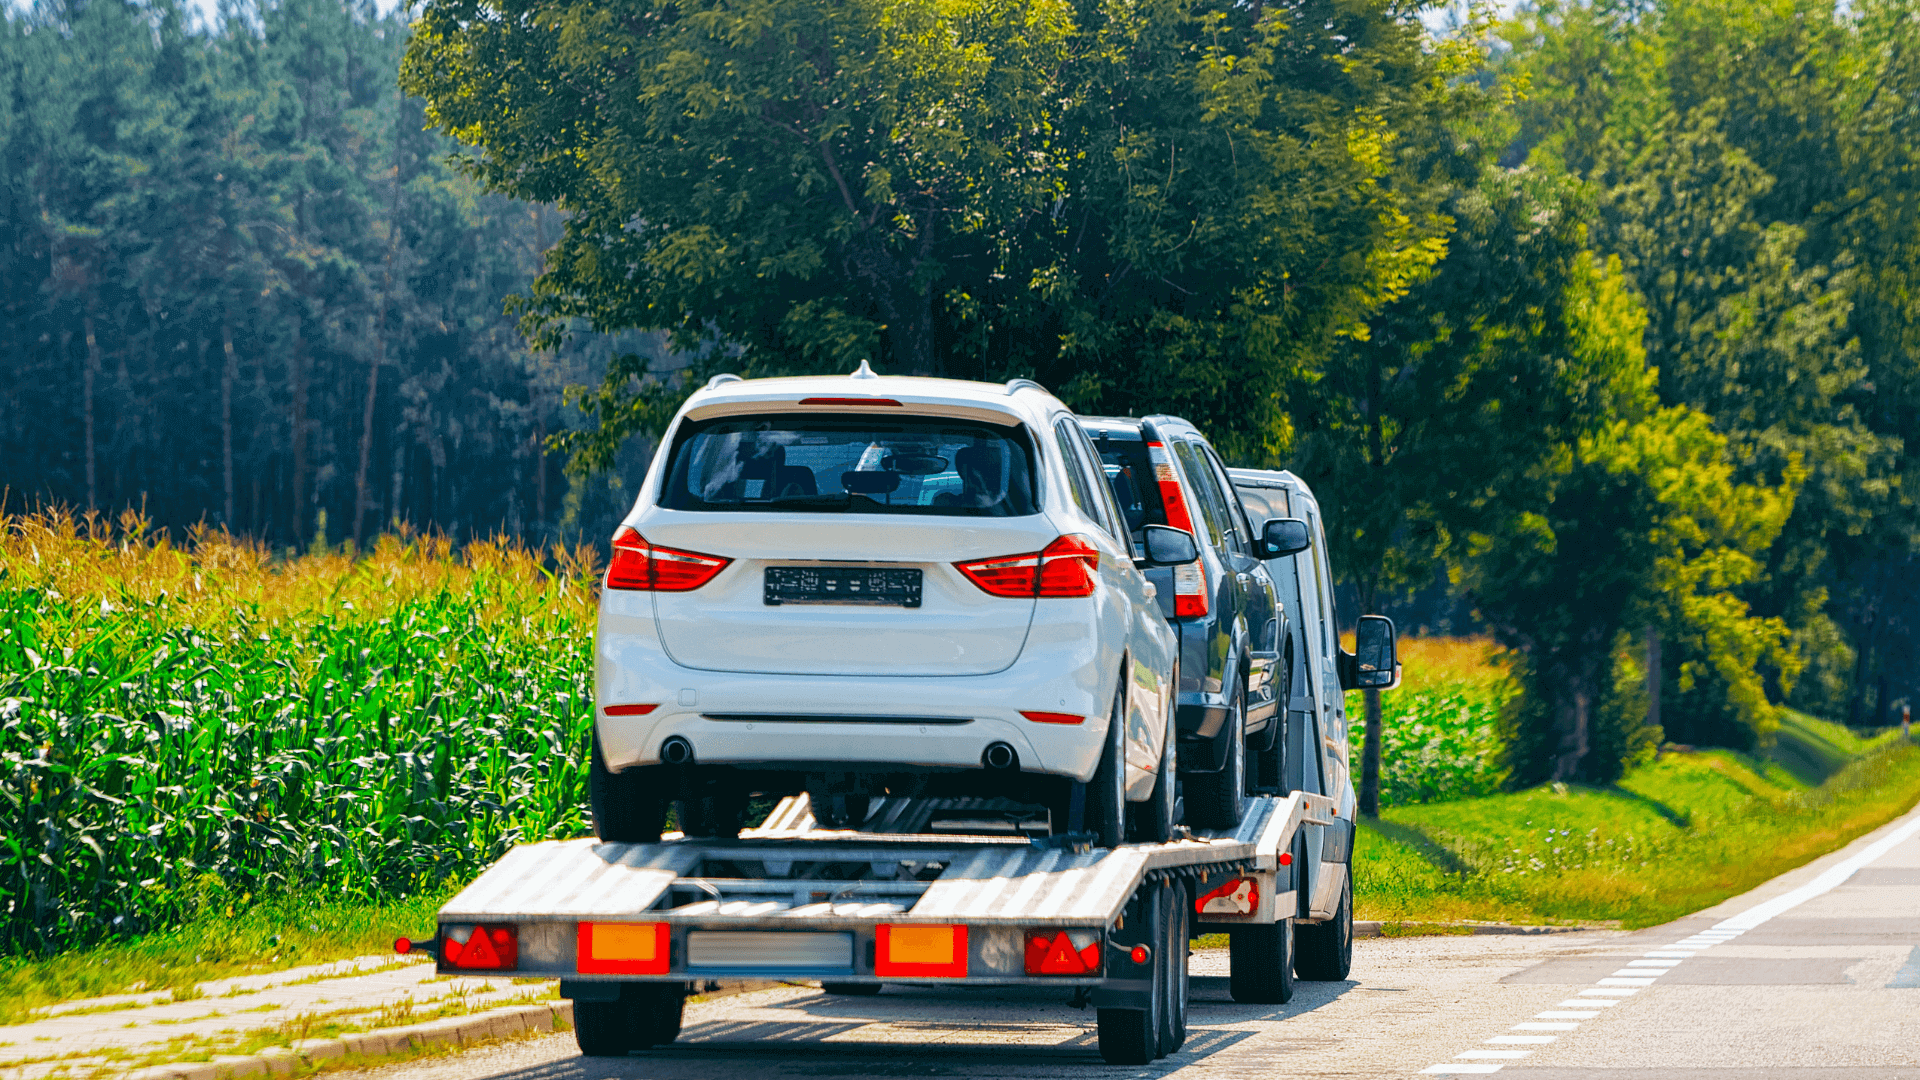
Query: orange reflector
x: 1063, y: 952
x: 488, y: 947
x: 928, y: 952
x: 629, y: 710
x: 1241, y: 896
x: 1053, y: 717
x: 623, y: 948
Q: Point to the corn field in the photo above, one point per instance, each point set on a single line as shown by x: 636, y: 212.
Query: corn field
x: 175, y: 718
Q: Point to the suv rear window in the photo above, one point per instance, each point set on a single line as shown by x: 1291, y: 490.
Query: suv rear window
x: 1130, y: 475
x: 817, y: 463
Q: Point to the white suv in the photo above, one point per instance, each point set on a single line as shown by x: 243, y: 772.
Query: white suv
x: 873, y: 586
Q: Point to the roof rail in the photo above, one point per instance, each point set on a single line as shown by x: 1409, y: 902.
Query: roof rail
x: 1014, y: 386
x: 723, y: 378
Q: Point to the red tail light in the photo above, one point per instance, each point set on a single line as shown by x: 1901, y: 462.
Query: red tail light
x: 643, y: 567
x: 1068, y: 567
x: 1189, y: 579
x: 1063, y: 952
x: 1053, y: 717
x: 487, y: 947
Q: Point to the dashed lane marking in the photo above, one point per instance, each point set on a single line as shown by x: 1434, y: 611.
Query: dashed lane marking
x: 1643, y: 972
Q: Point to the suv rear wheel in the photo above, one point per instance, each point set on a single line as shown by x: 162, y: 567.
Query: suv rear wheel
x: 627, y: 807
x: 1216, y: 800
x: 1107, y: 791
x: 1152, y: 822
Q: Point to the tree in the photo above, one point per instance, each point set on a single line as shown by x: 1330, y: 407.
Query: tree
x: 1168, y: 201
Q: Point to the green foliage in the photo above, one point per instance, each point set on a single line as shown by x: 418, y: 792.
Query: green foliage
x: 1145, y: 205
x: 165, y: 752
x: 1675, y: 836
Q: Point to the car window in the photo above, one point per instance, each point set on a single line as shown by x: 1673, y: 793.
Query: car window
x: 814, y: 462
x: 1203, y: 491
x: 1078, y: 482
x: 1110, y: 514
x: 1130, y: 476
x: 1236, y: 516
x: 1263, y: 504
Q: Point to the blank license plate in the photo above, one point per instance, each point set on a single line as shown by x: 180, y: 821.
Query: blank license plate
x: 842, y: 585
x: 748, y: 950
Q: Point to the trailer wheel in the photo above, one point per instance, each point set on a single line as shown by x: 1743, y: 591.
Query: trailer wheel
x: 1324, y: 952
x: 627, y: 806
x: 1261, y: 964
x: 851, y: 989
x: 1133, y: 1036
x: 718, y: 813
x: 647, y: 1014
x: 1173, y: 1033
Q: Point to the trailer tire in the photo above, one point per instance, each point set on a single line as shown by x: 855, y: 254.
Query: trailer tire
x: 1173, y: 1032
x: 1260, y: 962
x: 1323, y: 952
x: 647, y: 1014
x: 1216, y: 800
x: 1133, y: 1036
x: 627, y: 807
x: 846, y: 989
x: 716, y: 814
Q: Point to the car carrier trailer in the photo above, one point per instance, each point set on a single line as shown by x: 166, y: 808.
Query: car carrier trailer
x: 929, y: 891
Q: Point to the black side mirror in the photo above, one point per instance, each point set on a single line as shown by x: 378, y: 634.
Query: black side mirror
x: 1168, y: 546
x: 1283, y: 537
x: 1375, y: 665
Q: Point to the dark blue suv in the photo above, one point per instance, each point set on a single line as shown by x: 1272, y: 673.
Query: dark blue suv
x: 1233, y: 682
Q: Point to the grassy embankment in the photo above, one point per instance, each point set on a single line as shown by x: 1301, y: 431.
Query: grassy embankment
x: 1679, y: 834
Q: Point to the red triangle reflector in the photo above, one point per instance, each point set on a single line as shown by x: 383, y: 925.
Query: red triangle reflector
x: 479, y: 951
x: 1062, y: 959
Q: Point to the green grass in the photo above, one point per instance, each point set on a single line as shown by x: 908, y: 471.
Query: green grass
x: 1440, y: 728
x: 255, y: 938
x: 1682, y: 833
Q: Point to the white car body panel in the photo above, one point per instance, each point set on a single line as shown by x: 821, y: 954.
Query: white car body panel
x: 966, y: 658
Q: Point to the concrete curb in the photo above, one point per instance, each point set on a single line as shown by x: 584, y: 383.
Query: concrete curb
x: 453, y: 1031
x: 1370, y: 928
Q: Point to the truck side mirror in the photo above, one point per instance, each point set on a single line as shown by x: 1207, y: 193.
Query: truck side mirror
x: 1168, y: 546
x: 1375, y: 665
x: 1283, y: 537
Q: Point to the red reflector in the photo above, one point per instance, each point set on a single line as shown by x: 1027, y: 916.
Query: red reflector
x: 1053, y: 717
x: 849, y: 401
x: 402, y: 946
x: 487, y: 947
x: 1286, y: 858
x: 623, y: 948
x: 643, y: 567
x: 1063, y: 952
x: 1240, y: 896
x: 1138, y: 955
x: 629, y: 710
x: 929, y: 952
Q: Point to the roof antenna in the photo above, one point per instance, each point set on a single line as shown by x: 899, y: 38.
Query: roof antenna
x: 865, y: 372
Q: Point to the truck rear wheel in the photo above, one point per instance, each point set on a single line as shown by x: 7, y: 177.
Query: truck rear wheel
x: 627, y: 806
x: 1173, y: 1031
x: 1260, y: 962
x: 851, y: 989
x: 1324, y: 951
x: 647, y: 1014
x: 1107, y: 791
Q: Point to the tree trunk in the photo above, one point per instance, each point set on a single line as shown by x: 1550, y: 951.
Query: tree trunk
x: 1573, y: 715
x: 297, y: 358
x: 86, y: 383
x: 1370, y: 757
x: 1653, y: 676
x: 229, y: 371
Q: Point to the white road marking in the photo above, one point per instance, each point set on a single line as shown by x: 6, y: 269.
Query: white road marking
x: 1588, y: 1003
x: 1460, y: 1067
x: 1615, y: 992
x: 1545, y: 1027
x: 1509, y: 1054
x: 1523, y: 1038
x: 1564, y: 1014
x: 1613, y: 981
x: 1832, y: 879
x: 1653, y: 963
x: 1669, y: 953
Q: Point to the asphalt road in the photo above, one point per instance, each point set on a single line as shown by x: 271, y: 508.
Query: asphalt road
x: 1813, y: 975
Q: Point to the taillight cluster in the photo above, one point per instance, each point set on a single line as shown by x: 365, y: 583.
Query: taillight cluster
x: 487, y: 947
x: 643, y: 567
x: 1067, y: 567
x: 1189, y: 579
x: 1063, y: 952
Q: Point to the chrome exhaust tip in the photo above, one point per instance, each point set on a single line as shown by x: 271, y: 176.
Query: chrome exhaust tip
x: 676, y: 751
x: 1000, y: 756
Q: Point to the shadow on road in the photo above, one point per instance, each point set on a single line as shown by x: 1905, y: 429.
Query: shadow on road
x: 929, y: 1031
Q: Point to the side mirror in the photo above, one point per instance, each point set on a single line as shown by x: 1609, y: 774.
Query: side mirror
x: 1283, y: 537
x: 1168, y: 546
x: 1375, y: 665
